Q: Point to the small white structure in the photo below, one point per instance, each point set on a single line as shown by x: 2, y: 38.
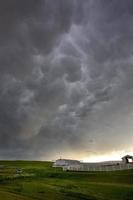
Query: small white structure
x: 127, y: 159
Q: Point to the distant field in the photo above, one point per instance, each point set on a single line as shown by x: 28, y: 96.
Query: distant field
x: 27, y: 180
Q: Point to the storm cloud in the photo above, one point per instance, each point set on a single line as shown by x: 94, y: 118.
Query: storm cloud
x: 66, y: 86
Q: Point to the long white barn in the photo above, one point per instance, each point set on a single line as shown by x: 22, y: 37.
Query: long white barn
x: 65, y: 162
x: 75, y: 165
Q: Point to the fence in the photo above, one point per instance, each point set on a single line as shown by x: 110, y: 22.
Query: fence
x: 83, y: 167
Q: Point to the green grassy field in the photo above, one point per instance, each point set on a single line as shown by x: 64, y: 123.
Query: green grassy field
x: 38, y: 180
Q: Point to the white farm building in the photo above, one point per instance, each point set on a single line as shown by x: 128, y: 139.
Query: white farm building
x: 75, y: 165
x: 65, y: 162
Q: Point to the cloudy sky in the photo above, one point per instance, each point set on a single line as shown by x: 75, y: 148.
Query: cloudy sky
x: 66, y: 78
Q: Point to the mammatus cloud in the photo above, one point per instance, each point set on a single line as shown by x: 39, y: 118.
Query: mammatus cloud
x: 65, y: 78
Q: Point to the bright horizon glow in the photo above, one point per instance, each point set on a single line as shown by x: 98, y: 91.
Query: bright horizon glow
x: 113, y: 156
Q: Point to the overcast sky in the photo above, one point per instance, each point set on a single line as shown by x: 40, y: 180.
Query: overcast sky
x: 66, y: 78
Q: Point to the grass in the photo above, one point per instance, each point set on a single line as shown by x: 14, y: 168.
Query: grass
x: 38, y: 180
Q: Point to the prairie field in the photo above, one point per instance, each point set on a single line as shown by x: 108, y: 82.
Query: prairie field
x: 27, y: 180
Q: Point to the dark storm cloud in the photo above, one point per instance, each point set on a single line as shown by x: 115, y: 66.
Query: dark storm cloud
x: 65, y: 77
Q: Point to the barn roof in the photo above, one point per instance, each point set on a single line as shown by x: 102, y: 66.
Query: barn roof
x: 67, y: 160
